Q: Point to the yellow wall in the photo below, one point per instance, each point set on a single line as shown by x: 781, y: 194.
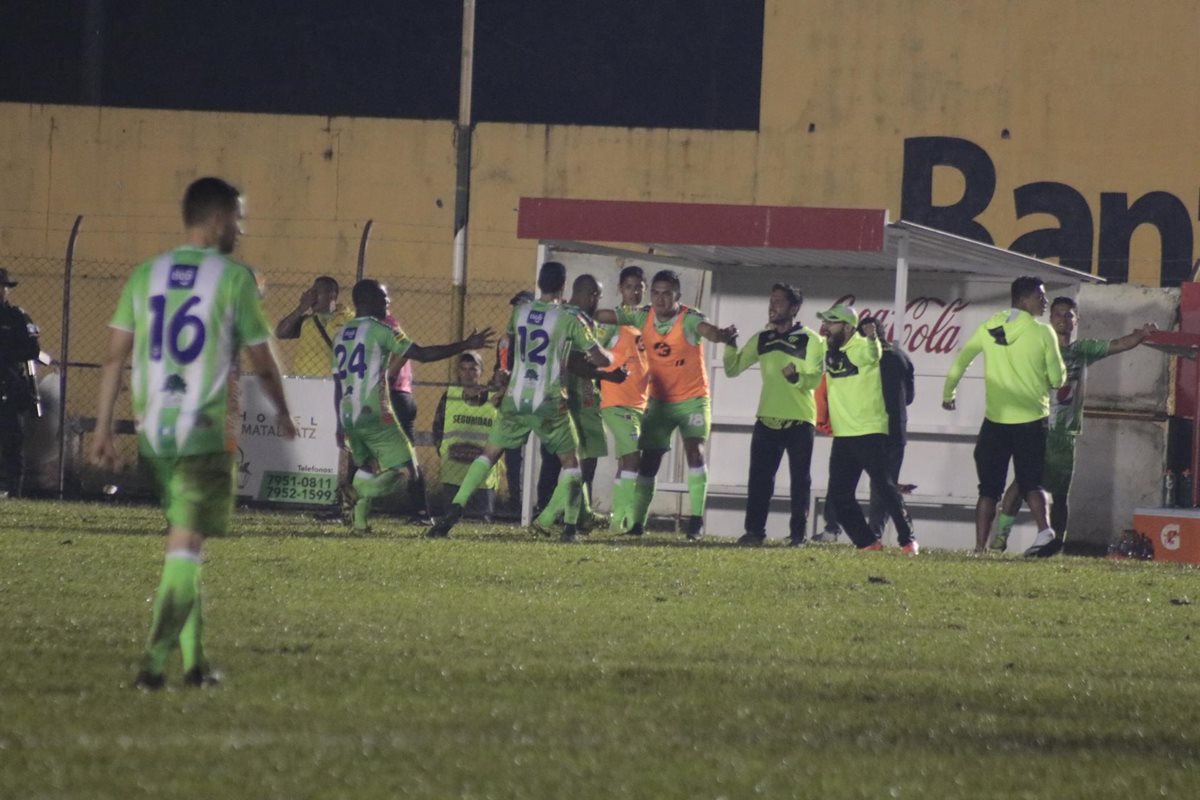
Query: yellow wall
x: 1100, y: 95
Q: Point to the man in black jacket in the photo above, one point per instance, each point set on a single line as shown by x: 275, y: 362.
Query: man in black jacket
x: 897, y: 376
x: 18, y: 346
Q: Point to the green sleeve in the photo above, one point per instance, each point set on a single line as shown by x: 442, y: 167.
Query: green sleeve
x: 863, y: 352
x: 972, y: 348
x: 738, y: 361
x: 581, y: 336
x: 628, y: 315
x: 812, y: 367
x: 1056, y: 370
x: 691, y: 325
x: 398, y: 343
x: 251, y: 320
x: 1093, y: 349
x: 122, y: 319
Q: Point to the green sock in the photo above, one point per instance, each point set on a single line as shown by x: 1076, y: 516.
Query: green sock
x: 623, y: 501
x: 643, y: 494
x: 370, y: 486
x: 557, y: 504
x: 572, y: 480
x: 172, y: 607
x: 191, y: 638
x: 697, y: 489
x: 585, y: 502
x: 476, y: 474
x: 1004, y: 523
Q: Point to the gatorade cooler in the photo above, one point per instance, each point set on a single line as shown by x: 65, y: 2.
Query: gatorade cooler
x: 1173, y: 532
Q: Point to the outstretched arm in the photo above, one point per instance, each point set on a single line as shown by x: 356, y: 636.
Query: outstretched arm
x: 972, y: 348
x: 1131, y: 340
x: 720, y: 335
x: 437, y: 352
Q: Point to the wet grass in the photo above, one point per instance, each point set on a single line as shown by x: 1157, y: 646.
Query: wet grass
x: 498, y: 665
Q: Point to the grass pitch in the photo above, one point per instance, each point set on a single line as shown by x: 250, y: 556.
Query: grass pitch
x: 495, y: 665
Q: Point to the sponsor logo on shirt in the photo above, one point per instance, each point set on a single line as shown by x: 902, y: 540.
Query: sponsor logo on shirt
x: 537, y: 317
x: 349, y: 333
x: 183, y: 276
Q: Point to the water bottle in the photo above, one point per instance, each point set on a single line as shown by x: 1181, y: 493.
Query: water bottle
x: 1183, y: 491
x: 1168, y: 489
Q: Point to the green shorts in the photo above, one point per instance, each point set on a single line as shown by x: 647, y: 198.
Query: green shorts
x: 588, y: 423
x: 197, y: 491
x: 692, y: 417
x: 625, y: 424
x: 554, y: 428
x: 386, y: 443
x: 1060, y: 463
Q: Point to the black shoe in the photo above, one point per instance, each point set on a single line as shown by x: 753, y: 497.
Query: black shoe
x: 441, y: 528
x: 149, y: 681
x: 636, y: 530
x: 695, y: 527
x: 796, y: 541
x: 568, y: 534
x: 202, y: 678
x: 1054, y: 547
x: 752, y: 539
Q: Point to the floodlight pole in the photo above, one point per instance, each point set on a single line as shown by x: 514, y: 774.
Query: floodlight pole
x: 462, y: 163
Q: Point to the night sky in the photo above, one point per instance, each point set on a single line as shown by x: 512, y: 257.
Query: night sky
x: 652, y: 63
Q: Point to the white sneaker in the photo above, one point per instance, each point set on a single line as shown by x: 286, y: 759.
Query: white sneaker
x: 1044, y: 538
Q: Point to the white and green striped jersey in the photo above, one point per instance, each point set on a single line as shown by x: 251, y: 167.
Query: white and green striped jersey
x: 190, y: 310
x: 543, y: 336
x: 361, y: 353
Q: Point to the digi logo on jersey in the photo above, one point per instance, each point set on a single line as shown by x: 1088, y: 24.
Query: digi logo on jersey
x: 537, y: 317
x: 348, y: 334
x: 183, y: 276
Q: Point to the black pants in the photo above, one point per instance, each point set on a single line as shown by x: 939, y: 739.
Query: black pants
x: 850, y: 457
x: 405, y: 406
x: 767, y: 446
x: 514, y: 464
x: 877, y: 516
x: 1024, y: 443
x: 12, y: 452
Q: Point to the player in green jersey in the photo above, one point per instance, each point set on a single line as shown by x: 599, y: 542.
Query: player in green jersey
x: 184, y: 316
x: 544, y: 333
x: 792, y: 360
x: 1066, y: 421
x: 367, y: 354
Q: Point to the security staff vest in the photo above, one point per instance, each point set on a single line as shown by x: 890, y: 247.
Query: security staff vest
x: 677, y: 370
x: 469, y: 425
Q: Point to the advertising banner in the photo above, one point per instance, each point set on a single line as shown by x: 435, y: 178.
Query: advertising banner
x: 271, y: 469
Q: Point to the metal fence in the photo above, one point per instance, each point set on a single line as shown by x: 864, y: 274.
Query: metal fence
x: 71, y: 298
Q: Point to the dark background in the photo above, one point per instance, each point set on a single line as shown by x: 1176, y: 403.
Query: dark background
x: 651, y: 63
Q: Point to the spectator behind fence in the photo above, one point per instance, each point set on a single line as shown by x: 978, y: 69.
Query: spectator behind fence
x: 184, y: 316
x: 318, y: 316
x: 461, y: 425
x: 18, y: 392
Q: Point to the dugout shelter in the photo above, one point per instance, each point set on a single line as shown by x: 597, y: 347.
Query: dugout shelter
x: 931, y: 289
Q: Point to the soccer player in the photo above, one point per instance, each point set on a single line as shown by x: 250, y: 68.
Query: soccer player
x: 184, y: 316
x: 792, y: 358
x: 860, y: 428
x: 623, y: 405
x: 679, y: 397
x: 1066, y: 421
x: 366, y: 356
x: 1021, y: 364
x: 544, y: 332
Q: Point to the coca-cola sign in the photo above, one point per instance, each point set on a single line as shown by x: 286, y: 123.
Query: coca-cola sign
x: 931, y: 324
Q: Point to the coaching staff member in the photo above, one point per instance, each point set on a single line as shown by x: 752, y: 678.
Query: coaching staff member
x: 1021, y: 364
x: 18, y: 346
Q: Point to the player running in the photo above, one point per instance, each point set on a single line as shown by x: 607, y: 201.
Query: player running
x: 367, y: 354
x: 184, y: 316
x: 679, y: 396
x: 544, y: 332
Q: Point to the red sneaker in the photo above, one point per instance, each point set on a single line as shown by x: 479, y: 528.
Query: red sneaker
x: 911, y: 549
x: 875, y: 545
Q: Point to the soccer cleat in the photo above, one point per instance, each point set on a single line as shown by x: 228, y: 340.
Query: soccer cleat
x: 695, y: 527
x: 636, y: 529
x: 568, y: 534
x: 912, y: 548
x: 541, y: 528
x: 749, y: 539
x: 1044, y: 540
x: 796, y: 541
x: 363, y: 531
x: 589, y: 522
x: 875, y: 545
x: 827, y: 536
x: 202, y: 678
x: 149, y: 681
x: 1052, y: 548
x: 441, y: 528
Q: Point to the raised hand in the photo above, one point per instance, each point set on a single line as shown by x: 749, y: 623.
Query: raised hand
x: 479, y: 339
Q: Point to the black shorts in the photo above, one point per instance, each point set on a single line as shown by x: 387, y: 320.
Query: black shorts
x: 1024, y: 443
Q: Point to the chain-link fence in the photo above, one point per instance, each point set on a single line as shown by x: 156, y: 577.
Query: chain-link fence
x: 83, y: 293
